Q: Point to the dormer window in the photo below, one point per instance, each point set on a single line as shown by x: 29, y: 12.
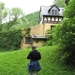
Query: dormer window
x: 54, y: 12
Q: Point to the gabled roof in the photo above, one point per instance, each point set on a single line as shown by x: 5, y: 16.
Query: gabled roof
x: 45, y: 9
x: 52, y: 7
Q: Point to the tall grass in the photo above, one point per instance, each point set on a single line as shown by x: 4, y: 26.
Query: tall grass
x: 15, y: 62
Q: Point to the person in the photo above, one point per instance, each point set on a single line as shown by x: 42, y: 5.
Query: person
x: 34, y: 66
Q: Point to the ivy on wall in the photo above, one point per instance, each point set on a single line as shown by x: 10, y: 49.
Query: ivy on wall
x: 27, y: 29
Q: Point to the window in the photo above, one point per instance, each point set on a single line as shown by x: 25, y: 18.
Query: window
x: 28, y: 40
x: 54, y: 12
x: 45, y: 19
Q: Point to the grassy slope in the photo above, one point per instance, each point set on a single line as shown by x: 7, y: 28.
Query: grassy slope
x: 15, y: 63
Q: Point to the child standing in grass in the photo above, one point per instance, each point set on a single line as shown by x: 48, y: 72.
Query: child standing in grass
x: 34, y: 66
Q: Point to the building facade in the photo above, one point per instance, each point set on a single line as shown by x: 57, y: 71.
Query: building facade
x: 48, y: 18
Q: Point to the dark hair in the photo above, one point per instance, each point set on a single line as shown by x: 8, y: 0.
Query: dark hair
x: 33, y: 47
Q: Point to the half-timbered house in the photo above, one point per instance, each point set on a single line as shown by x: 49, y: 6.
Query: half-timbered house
x: 49, y: 16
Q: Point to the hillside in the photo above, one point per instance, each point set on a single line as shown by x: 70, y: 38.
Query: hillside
x: 27, y: 20
x: 15, y: 63
x: 33, y: 18
x: 30, y: 19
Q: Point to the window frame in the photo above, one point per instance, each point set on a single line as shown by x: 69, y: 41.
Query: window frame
x: 28, y: 40
x: 54, y: 12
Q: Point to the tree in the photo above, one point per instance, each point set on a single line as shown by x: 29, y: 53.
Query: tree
x: 52, y: 35
x: 59, y: 3
x: 3, y: 13
x: 67, y: 33
x: 14, y: 14
x: 8, y: 17
x: 70, y: 10
x: 66, y: 2
x: 64, y: 34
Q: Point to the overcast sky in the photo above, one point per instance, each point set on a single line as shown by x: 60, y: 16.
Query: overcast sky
x: 28, y: 6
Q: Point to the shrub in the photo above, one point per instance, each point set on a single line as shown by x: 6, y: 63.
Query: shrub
x: 10, y: 40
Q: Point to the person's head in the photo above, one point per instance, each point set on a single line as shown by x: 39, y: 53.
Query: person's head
x: 33, y: 47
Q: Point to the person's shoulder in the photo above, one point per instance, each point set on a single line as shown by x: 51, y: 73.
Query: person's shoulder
x: 37, y: 51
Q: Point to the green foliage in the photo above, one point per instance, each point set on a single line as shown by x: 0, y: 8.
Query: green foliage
x: 16, y: 18
x: 16, y: 12
x: 59, y: 3
x: 48, y: 43
x: 27, y: 29
x: 49, y: 38
x: 10, y: 40
x: 23, y: 22
x: 52, y: 35
x: 3, y: 13
x: 70, y: 9
x: 32, y: 18
x: 67, y: 36
x: 67, y: 33
x: 64, y: 34
x: 66, y: 2
x: 12, y: 15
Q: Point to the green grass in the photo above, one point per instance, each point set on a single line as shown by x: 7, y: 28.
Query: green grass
x: 15, y: 62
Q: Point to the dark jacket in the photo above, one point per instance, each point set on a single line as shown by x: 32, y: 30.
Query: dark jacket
x: 34, y: 65
x: 34, y: 55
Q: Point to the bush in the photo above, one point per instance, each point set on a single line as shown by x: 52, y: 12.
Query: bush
x: 10, y: 40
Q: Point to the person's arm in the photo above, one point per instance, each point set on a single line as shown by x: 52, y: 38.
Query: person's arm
x: 39, y: 56
x: 29, y: 56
